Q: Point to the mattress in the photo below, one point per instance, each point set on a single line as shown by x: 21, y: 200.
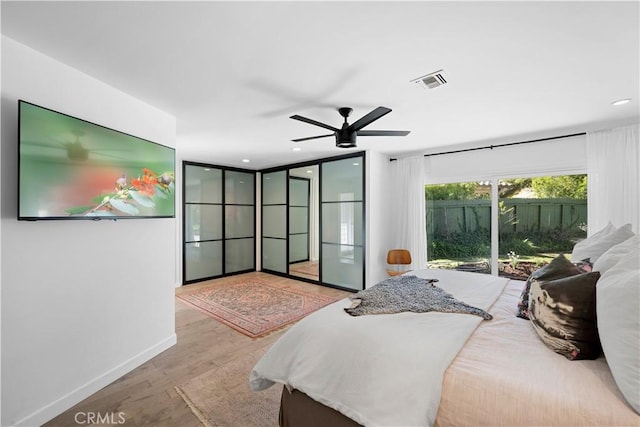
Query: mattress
x: 506, y: 376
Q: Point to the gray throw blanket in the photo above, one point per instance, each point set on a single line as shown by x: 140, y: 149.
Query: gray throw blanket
x: 408, y: 293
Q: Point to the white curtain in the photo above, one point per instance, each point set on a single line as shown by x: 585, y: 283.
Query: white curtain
x: 613, y: 158
x: 409, y: 223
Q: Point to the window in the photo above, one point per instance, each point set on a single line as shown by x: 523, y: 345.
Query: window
x: 459, y: 226
x: 537, y: 218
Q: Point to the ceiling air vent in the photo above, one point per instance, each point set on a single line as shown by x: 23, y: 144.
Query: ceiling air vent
x: 431, y: 81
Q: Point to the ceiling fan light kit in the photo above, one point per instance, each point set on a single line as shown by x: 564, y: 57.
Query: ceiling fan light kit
x: 347, y: 134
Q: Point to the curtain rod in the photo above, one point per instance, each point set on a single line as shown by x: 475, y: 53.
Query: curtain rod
x: 491, y: 147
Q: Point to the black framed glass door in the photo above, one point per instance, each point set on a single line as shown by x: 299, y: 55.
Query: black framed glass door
x: 218, y: 221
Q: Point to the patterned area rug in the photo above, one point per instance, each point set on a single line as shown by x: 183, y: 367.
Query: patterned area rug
x: 254, y: 307
x: 221, y: 396
x: 309, y: 268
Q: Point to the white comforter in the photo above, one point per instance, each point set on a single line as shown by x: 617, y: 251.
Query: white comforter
x: 379, y: 370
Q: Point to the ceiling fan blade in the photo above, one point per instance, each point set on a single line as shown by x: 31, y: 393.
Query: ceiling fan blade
x: 311, y: 137
x: 383, y: 132
x: 313, y: 122
x: 368, y: 118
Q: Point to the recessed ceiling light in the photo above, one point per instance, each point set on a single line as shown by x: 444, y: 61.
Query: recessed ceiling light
x: 356, y: 164
x: 309, y: 171
x: 207, y: 169
x: 296, y: 149
x: 621, y: 101
x: 245, y: 160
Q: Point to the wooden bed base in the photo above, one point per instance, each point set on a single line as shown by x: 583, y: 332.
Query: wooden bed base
x: 299, y: 410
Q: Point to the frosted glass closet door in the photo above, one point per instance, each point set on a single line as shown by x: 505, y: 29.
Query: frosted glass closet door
x: 239, y: 222
x: 274, y: 221
x: 342, y: 201
x: 202, y: 222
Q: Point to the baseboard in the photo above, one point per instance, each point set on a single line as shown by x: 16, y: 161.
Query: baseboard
x: 67, y: 401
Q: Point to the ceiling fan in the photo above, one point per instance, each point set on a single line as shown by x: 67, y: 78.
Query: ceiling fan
x: 346, y: 135
x: 76, y: 150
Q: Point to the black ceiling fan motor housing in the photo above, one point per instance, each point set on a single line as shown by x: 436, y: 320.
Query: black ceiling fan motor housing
x: 346, y: 138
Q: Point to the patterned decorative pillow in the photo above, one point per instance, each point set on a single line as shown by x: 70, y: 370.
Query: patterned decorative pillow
x: 559, y: 267
x: 585, y: 265
x: 563, y: 313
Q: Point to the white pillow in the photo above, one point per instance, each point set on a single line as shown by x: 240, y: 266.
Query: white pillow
x: 582, y: 244
x: 618, y: 311
x: 607, y: 229
x: 595, y: 246
x: 613, y: 255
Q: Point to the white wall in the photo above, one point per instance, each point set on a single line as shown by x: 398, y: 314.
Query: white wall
x: 83, y: 302
x: 378, y: 217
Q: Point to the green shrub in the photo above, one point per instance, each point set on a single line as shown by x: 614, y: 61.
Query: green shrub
x: 460, y: 245
x: 534, y: 242
x: 518, y: 245
x: 477, y: 244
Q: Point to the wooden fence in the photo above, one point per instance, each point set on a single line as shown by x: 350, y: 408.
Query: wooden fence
x: 517, y: 215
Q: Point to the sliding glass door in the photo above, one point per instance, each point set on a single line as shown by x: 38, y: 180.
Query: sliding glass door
x: 539, y: 218
x: 459, y: 226
x: 342, y: 222
x: 240, y: 223
x: 509, y: 227
x: 218, y: 220
x: 274, y: 221
x: 203, y: 237
x: 313, y: 221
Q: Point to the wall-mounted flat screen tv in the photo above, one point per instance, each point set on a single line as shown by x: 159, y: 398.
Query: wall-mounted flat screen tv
x: 70, y: 168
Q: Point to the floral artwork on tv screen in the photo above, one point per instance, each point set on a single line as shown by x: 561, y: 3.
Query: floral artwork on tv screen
x: 74, y: 169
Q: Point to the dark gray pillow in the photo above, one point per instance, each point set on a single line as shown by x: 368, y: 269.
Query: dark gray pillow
x: 563, y: 313
x: 559, y: 267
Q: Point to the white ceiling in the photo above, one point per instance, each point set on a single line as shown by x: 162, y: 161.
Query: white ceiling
x: 233, y: 72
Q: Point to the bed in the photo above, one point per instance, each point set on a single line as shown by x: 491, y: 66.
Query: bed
x: 442, y: 369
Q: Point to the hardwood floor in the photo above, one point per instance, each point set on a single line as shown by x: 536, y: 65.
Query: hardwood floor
x: 305, y: 269
x: 146, y: 395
